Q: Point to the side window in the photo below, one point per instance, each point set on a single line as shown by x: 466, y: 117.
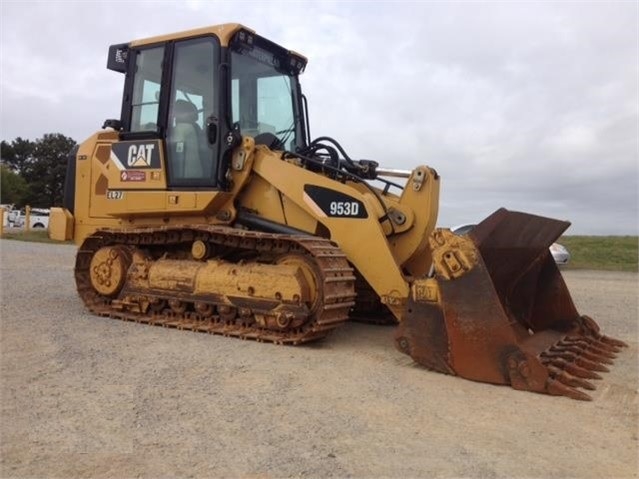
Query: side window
x: 146, y: 89
x: 193, y: 100
x: 274, y: 108
x: 262, y: 99
x: 264, y: 105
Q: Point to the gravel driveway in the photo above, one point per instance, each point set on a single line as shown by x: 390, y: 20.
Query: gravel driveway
x: 85, y: 396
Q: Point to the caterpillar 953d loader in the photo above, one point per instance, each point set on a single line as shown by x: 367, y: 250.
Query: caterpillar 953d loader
x: 207, y: 206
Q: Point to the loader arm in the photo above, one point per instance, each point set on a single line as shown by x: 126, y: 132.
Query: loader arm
x: 495, y: 309
x: 381, y: 245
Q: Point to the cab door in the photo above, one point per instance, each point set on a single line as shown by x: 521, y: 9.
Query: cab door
x: 166, y: 160
x: 193, y: 105
x: 172, y: 94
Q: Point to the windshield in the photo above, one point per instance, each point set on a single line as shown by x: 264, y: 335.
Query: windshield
x: 263, y: 98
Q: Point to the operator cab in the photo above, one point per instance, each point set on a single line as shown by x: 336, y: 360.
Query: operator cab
x: 200, y: 92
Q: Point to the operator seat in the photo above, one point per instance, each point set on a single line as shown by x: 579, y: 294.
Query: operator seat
x: 185, y: 138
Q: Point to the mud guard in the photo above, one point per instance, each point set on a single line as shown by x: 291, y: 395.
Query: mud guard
x: 497, y: 310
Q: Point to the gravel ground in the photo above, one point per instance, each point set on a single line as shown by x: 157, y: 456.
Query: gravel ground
x: 85, y: 396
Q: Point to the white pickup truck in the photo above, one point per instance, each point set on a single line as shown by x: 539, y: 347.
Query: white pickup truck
x: 39, y: 218
x: 11, y: 215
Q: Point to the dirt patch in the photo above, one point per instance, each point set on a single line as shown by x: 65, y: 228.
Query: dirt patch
x: 95, y: 397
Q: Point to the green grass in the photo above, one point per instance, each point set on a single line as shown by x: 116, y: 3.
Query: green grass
x: 613, y: 253
x: 36, y: 235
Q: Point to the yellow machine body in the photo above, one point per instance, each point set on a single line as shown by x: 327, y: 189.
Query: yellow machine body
x: 272, y: 236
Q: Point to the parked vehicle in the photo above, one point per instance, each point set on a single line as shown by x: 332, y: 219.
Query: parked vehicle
x: 5, y: 216
x: 39, y: 218
x: 560, y: 254
x: 13, y: 216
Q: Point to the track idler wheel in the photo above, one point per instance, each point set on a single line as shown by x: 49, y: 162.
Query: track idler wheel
x: 108, y: 270
x: 313, y: 291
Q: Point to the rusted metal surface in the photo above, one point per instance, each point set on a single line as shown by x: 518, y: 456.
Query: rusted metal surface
x: 501, y: 312
x: 276, y: 288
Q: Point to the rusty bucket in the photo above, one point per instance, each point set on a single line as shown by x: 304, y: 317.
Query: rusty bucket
x: 497, y: 310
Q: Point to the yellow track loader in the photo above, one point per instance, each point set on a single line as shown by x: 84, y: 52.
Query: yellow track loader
x: 208, y: 206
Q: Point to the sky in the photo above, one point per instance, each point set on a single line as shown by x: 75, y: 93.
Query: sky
x: 532, y: 106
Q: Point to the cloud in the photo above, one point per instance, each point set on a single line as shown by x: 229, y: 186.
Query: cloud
x: 528, y: 105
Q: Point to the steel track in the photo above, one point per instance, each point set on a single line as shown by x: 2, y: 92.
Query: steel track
x: 338, y: 280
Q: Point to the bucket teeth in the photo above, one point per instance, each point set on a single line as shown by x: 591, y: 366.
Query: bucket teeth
x: 592, y: 346
x: 574, y: 359
x: 597, y: 343
x: 596, y: 357
x: 600, y: 341
x: 592, y: 365
x: 566, y: 355
x: 601, y: 352
x: 572, y: 368
x: 557, y: 388
x: 570, y: 380
x: 612, y: 342
x: 582, y: 352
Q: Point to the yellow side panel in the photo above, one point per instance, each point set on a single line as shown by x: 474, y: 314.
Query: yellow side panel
x: 134, y: 165
x: 120, y: 168
x: 128, y: 179
x: 60, y: 224
x: 263, y: 198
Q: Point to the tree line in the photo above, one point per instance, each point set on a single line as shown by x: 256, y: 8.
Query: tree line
x: 32, y: 172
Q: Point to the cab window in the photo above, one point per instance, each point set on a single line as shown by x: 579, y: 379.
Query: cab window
x: 262, y: 98
x: 146, y: 89
x: 192, y: 104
